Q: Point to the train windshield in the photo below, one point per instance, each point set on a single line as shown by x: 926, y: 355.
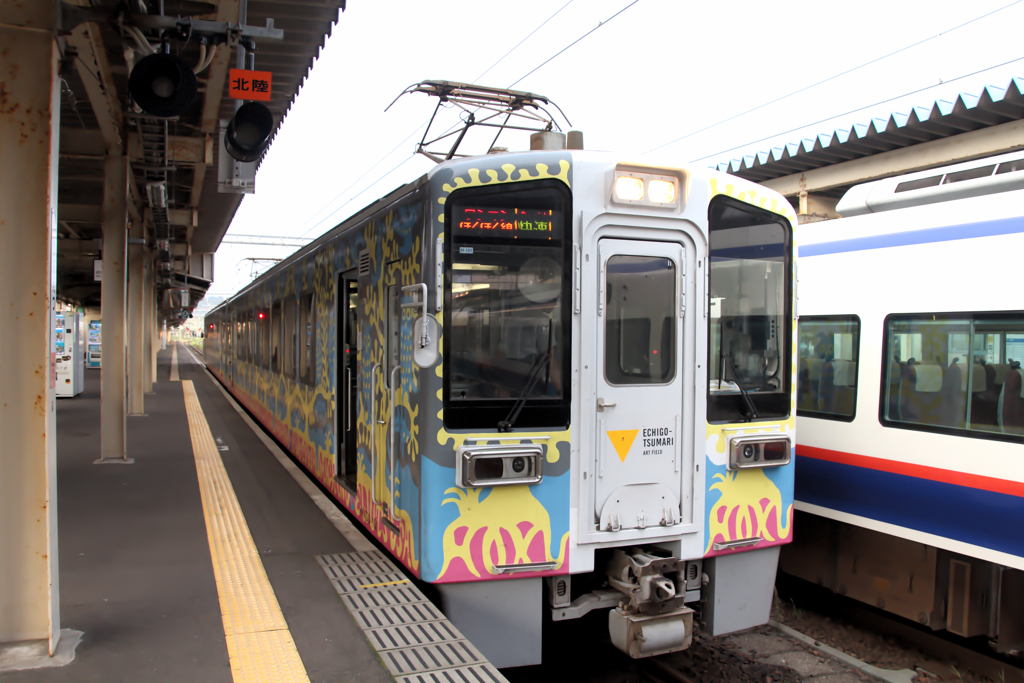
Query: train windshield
x: 505, y: 344
x: 749, y: 349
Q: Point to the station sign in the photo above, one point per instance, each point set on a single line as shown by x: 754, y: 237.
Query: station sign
x: 249, y: 85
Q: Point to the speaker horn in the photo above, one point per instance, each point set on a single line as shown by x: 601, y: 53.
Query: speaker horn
x: 248, y: 132
x: 163, y: 85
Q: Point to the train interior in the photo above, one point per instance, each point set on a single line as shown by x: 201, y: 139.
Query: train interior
x: 956, y: 372
x: 827, y: 378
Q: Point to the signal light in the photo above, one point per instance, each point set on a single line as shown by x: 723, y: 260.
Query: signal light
x: 248, y: 133
x: 163, y: 85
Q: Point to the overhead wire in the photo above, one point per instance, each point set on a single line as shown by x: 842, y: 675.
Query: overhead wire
x: 854, y: 111
x: 417, y: 130
x: 354, y: 183
x: 523, y: 40
x: 832, y: 78
x: 599, y: 25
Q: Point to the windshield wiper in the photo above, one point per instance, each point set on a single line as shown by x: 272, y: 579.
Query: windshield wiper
x: 751, y: 410
x: 531, y: 380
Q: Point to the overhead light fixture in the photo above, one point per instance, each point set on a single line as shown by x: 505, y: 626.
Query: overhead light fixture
x: 163, y: 85
x: 248, y: 133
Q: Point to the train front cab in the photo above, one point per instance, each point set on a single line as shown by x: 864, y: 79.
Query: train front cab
x: 679, y: 431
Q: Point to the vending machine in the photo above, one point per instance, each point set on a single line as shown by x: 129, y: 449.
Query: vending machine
x: 93, y: 345
x: 69, y: 338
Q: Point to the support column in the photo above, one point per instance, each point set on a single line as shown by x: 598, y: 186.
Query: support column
x: 136, y: 320
x: 29, y: 132
x: 149, y: 323
x: 113, y: 377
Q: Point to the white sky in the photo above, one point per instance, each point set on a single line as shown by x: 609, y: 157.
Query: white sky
x: 658, y: 71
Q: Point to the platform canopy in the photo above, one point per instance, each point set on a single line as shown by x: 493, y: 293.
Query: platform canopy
x: 814, y: 172
x: 173, y: 178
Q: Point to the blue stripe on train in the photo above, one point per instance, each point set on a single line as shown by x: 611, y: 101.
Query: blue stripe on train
x: 1004, y: 226
x: 983, y: 518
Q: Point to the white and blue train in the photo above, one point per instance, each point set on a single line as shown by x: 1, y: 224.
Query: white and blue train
x: 910, y: 455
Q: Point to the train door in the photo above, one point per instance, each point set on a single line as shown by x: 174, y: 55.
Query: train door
x: 640, y: 384
x: 347, y: 381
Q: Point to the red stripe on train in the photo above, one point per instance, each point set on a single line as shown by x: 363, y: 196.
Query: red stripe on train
x: 974, y: 481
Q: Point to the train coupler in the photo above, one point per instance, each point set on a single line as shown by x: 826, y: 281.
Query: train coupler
x: 654, y: 621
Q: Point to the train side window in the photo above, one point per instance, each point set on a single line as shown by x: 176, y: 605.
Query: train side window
x: 955, y: 373
x: 307, y: 339
x: 263, y: 327
x: 275, y: 337
x: 290, y: 331
x: 239, y: 347
x: 829, y: 354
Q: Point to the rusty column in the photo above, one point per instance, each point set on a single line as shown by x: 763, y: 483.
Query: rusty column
x: 29, y: 132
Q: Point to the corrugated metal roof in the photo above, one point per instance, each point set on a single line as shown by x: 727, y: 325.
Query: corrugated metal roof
x: 941, y: 118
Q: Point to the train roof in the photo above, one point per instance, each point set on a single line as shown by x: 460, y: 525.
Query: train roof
x: 969, y: 179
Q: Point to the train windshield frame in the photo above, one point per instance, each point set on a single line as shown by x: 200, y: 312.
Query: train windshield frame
x: 750, y: 326
x: 507, y: 306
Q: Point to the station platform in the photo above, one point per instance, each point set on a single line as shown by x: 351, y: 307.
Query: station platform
x: 146, y: 575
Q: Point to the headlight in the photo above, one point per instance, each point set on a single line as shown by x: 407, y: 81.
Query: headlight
x: 661, y: 191
x: 646, y: 189
x: 629, y: 189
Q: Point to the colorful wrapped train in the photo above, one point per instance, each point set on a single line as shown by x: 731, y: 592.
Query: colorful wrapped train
x: 550, y: 381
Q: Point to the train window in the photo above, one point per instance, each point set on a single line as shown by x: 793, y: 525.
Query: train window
x: 955, y: 373
x: 263, y: 327
x: 290, y: 331
x: 506, y: 282
x: 275, y: 337
x: 239, y: 346
x: 639, y: 338
x: 750, y: 322
x: 307, y: 339
x: 829, y: 348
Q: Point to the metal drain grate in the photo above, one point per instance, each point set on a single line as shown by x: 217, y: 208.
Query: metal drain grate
x: 485, y: 673
x: 414, y: 635
x: 414, y: 639
x: 375, y: 599
x: 413, y: 660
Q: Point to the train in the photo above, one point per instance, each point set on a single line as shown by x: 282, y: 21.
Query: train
x: 910, y: 414
x: 548, y: 382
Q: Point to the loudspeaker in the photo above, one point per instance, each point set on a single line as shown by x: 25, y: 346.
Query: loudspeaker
x: 163, y: 85
x: 249, y: 131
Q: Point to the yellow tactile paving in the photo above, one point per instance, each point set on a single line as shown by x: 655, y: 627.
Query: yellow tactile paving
x: 174, y: 363
x: 260, y: 647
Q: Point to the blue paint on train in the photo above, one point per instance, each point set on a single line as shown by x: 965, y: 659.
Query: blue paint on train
x: 1004, y: 226
x: 982, y: 518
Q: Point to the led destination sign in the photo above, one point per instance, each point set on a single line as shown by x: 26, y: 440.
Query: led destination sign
x: 507, y: 222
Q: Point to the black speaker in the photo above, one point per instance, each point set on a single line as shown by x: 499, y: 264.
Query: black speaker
x: 163, y: 85
x: 249, y: 131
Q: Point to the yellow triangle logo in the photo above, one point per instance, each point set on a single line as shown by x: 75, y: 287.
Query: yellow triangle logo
x: 622, y: 440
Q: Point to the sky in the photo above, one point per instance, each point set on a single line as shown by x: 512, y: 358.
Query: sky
x: 659, y: 81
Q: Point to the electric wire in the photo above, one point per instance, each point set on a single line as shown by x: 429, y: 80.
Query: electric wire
x: 361, y: 192
x: 383, y: 158
x: 354, y: 183
x: 854, y: 111
x: 599, y: 25
x: 523, y: 41
x: 832, y: 78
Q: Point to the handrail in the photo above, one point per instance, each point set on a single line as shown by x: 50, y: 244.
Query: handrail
x: 391, y: 445
x: 422, y: 288
x: 373, y: 433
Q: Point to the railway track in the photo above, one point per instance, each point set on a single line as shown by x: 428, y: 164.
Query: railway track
x: 890, y: 642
